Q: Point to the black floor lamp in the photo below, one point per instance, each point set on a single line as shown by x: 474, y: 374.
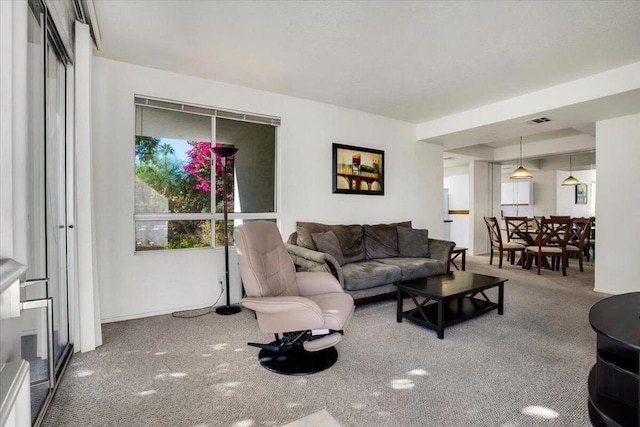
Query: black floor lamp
x: 223, y: 153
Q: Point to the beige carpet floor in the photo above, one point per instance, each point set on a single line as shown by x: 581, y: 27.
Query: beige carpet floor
x: 526, y: 368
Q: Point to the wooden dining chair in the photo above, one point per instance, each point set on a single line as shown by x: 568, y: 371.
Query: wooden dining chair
x: 538, y: 220
x: 590, y: 243
x: 555, y: 240
x: 577, y: 243
x: 516, y: 226
x: 495, y: 236
x: 552, y: 242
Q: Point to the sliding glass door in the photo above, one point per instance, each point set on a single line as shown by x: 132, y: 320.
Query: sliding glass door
x: 44, y: 295
x: 55, y: 195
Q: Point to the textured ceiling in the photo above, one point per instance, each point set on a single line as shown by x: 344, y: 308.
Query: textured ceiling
x: 412, y: 61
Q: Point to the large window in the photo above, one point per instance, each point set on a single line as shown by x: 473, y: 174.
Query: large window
x: 179, y: 191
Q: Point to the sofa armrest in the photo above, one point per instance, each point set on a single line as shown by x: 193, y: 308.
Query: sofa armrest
x: 441, y: 250
x: 310, y: 260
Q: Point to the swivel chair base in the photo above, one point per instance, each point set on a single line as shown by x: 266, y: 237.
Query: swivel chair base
x: 295, y: 360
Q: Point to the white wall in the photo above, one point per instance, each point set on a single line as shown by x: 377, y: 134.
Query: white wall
x: 566, y: 194
x: 6, y: 130
x: 545, y: 188
x: 14, y: 372
x: 152, y: 283
x: 13, y: 131
x: 456, y: 170
x: 618, y: 203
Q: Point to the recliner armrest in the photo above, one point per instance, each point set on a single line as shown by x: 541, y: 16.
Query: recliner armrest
x: 280, y: 304
x: 285, y: 313
x: 317, y: 283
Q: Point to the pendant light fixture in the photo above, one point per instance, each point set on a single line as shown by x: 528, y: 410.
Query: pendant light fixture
x: 570, y: 180
x: 521, y: 172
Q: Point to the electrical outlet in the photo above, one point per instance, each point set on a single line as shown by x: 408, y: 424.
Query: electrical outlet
x: 221, y: 279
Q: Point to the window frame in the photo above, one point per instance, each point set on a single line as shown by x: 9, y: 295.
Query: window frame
x: 213, y: 113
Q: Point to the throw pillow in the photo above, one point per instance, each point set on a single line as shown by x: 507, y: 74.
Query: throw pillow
x: 304, y: 230
x: 327, y: 242
x: 351, y: 242
x: 413, y: 243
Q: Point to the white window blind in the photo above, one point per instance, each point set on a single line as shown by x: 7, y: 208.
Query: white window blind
x: 207, y: 111
x: 172, y: 124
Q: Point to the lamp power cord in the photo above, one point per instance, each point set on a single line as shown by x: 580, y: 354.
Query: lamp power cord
x: 199, y: 312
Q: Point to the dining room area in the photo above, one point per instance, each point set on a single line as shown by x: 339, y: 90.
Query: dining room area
x: 544, y: 236
x: 543, y: 219
x: 541, y: 243
x: 599, y: 151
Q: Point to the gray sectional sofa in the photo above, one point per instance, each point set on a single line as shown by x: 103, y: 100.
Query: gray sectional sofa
x: 368, y: 259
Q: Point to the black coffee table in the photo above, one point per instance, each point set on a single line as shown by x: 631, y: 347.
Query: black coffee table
x: 454, y: 296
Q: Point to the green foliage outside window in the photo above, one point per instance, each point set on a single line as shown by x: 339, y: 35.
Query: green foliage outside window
x: 158, y: 167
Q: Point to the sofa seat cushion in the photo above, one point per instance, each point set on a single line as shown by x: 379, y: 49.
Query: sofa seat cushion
x: 368, y: 274
x: 416, y: 268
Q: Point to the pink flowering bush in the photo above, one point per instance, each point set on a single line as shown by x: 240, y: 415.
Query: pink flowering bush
x: 199, y: 167
x: 200, y: 164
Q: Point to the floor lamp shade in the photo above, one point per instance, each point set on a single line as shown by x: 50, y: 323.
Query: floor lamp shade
x: 223, y: 152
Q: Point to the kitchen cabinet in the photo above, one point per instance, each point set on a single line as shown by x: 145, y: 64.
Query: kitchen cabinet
x: 517, y: 193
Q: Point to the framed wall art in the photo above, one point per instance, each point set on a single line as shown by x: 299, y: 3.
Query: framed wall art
x: 358, y: 170
x: 581, y: 194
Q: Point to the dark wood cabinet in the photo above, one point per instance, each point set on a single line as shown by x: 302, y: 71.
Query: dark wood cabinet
x: 614, y: 380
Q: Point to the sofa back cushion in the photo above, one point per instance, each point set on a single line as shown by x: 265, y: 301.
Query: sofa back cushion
x: 381, y: 240
x: 350, y: 238
x: 413, y: 243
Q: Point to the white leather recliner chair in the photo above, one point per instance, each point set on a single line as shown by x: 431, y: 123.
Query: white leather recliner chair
x: 306, y: 311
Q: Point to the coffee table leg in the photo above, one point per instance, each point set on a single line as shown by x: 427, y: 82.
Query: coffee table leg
x: 501, y: 298
x: 399, y: 307
x: 464, y: 260
x: 440, y: 319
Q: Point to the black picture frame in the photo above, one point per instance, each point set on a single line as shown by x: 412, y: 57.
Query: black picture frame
x: 581, y: 194
x: 358, y: 170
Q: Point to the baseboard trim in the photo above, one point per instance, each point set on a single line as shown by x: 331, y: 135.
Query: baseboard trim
x: 606, y: 291
x: 150, y: 313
